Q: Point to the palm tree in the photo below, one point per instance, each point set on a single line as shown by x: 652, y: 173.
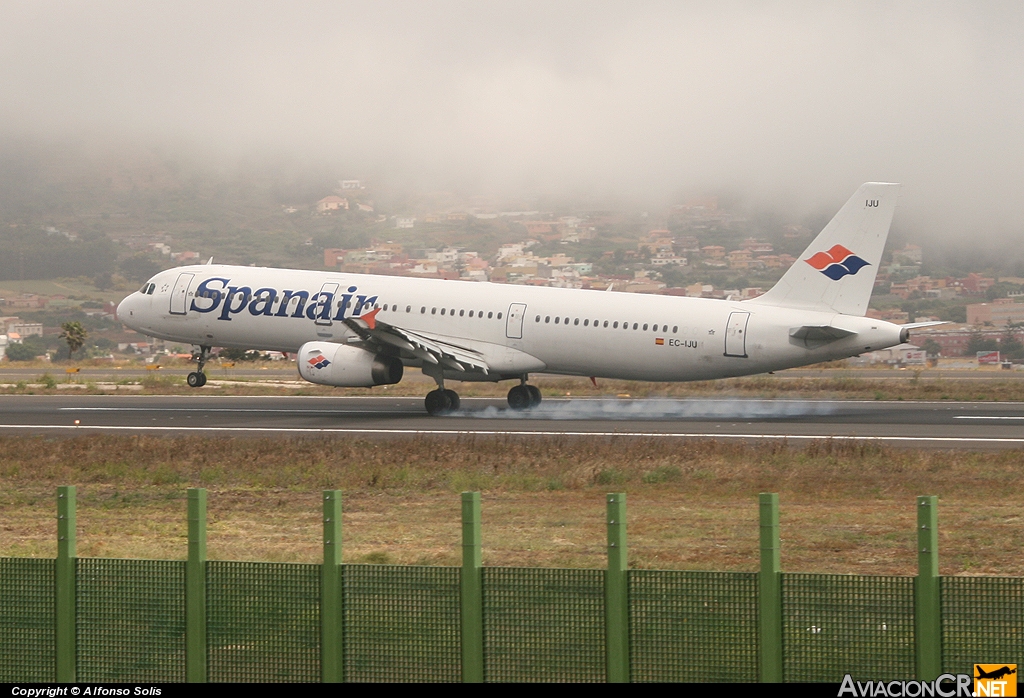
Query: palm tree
x: 74, y: 334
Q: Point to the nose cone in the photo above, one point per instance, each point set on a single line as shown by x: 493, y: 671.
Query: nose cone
x: 125, y: 310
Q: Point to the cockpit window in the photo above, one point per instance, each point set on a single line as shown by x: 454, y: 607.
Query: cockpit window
x: 148, y: 289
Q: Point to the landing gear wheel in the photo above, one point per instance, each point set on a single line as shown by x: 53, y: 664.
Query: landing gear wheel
x: 519, y: 398
x: 438, y: 402
x: 453, y: 400
x: 534, y: 395
x: 196, y: 379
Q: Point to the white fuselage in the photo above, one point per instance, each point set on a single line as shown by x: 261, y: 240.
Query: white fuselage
x: 516, y: 329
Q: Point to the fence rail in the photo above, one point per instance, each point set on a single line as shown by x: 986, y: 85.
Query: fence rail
x: 107, y: 620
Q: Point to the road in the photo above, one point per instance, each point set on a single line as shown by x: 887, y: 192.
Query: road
x: 921, y: 424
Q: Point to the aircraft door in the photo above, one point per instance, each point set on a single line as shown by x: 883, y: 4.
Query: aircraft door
x: 325, y: 303
x: 514, y: 321
x: 179, y: 294
x: 736, y: 335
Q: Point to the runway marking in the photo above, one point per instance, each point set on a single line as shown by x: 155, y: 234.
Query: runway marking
x: 208, y: 409
x: 981, y: 416
x: 468, y: 432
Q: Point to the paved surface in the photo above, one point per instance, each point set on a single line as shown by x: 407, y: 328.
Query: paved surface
x: 12, y: 373
x: 928, y: 424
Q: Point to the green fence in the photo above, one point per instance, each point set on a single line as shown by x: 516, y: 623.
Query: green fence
x: 101, y: 620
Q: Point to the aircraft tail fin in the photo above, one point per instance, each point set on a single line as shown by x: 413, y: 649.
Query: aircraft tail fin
x: 837, y: 272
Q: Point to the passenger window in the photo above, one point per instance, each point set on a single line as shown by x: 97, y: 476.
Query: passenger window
x: 654, y: 328
x: 442, y: 310
x: 606, y: 323
x: 538, y: 318
x: 675, y: 329
x: 586, y: 323
x: 453, y: 311
x: 566, y: 321
x: 471, y: 313
x: 634, y: 325
x: 385, y: 307
x: 433, y: 311
x: 645, y: 327
x: 480, y: 314
x: 461, y: 313
x: 557, y: 319
x: 547, y: 319
x: 489, y: 314
x: 615, y: 325
x: 576, y: 321
x: 423, y: 309
x: 499, y: 316
x: 408, y: 308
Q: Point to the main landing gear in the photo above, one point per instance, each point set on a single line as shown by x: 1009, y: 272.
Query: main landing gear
x: 441, y: 401
x: 197, y: 379
x: 523, y: 396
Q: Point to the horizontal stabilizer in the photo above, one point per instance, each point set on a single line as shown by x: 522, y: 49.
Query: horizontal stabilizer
x: 916, y: 325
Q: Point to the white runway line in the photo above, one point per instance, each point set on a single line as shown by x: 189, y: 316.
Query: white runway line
x: 981, y: 416
x: 468, y: 432
x: 219, y: 409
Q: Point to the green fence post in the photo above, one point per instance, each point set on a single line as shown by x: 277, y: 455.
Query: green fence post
x: 616, y: 591
x: 472, y: 591
x: 195, y: 589
x: 332, y: 664
x: 927, y: 603
x: 65, y: 583
x: 770, y: 591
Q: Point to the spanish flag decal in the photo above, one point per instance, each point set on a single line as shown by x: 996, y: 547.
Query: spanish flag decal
x: 659, y: 341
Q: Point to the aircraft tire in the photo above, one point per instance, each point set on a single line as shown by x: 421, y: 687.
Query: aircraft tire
x: 437, y: 402
x: 534, y: 395
x: 519, y: 398
x: 196, y: 379
x: 453, y: 400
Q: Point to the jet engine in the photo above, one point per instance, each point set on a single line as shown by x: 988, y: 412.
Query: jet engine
x: 346, y: 366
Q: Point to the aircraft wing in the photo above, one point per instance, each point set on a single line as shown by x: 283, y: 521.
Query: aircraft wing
x: 430, y: 348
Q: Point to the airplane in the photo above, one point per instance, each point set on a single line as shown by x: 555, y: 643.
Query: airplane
x: 361, y: 330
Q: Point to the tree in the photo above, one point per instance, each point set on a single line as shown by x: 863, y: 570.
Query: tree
x: 1010, y: 345
x: 20, y: 352
x: 932, y: 348
x: 74, y: 335
x: 979, y: 343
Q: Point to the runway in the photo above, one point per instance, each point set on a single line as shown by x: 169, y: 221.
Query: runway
x: 961, y: 425
x: 278, y: 371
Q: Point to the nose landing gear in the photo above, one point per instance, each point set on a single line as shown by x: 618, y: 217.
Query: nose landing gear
x: 197, y: 379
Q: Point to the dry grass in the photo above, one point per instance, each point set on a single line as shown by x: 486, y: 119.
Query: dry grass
x: 846, y: 507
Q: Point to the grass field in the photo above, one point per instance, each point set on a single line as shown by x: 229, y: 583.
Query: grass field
x: 846, y: 507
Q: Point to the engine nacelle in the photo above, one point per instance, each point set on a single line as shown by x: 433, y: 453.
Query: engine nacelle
x: 346, y: 366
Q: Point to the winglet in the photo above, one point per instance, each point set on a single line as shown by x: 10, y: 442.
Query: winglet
x: 370, y: 318
x: 209, y: 261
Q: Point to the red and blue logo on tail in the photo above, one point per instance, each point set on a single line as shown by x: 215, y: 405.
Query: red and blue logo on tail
x: 837, y: 262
